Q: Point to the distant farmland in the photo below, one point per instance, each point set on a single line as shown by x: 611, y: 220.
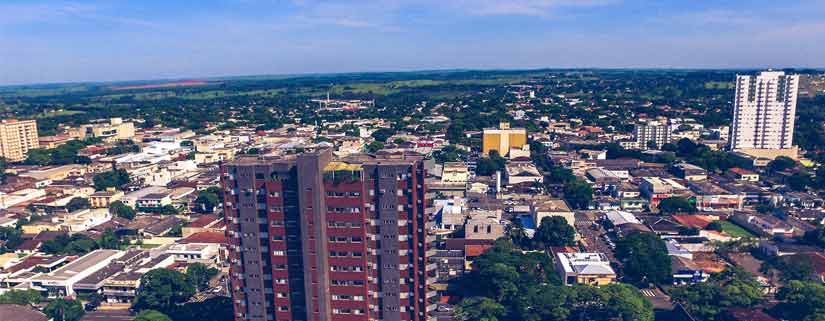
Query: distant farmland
x: 182, y: 83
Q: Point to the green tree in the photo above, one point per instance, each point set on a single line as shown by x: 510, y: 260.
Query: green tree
x: 816, y: 236
x: 518, y: 235
x: 733, y: 287
x: 116, y: 178
x: 21, y: 297
x: 627, y: 303
x: 799, y: 181
x: 645, y: 259
x: 801, y: 301
x: 151, y: 315
x: 714, y: 226
x: 199, y: 274
x: 77, y: 203
x: 675, y: 204
x: 781, y: 163
x: 76, y: 244
x: 10, y: 239
x: 213, y: 309
x: 64, y: 310
x: 382, y: 134
x: 375, y: 146
x: 578, y: 194
x: 162, y: 290
x: 109, y: 240
x: 554, y: 231
x: 117, y: 208
x: 487, y: 166
x: 480, y: 309
x: 206, y: 201
x: 168, y: 210
x: 39, y: 156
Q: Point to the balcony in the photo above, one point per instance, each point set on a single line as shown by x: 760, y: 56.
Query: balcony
x: 430, y: 239
x: 432, y: 307
x: 431, y: 267
x: 430, y: 252
x: 431, y: 294
x: 429, y: 225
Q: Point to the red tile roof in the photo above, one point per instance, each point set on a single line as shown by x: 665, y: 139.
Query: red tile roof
x: 473, y: 250
x: 203, y: 221
x: 695, y: 221
x: 741, y: 171
x: 205, y: 237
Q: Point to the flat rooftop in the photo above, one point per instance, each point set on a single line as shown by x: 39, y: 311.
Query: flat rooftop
x: 77, y: 266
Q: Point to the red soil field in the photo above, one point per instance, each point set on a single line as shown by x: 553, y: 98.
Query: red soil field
x: 181, y: 83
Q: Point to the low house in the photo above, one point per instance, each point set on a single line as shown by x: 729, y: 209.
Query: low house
x: 203, y: 223
x: 195, y: 253
x: 103, y: 199
x: 685, y: 271
x: 712, y: 197
x: 584, y: 268
x: 522, y: 172
x: 761, y: 224
x: 153, y: 202
x: 690, y: 172
x: 742, y: 174
x: 549, y: 208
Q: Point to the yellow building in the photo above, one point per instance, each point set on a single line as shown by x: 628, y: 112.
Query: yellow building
x: 504, y: 138
x: 17, y: 137
x: 104, y: 198
x: 41, y: 226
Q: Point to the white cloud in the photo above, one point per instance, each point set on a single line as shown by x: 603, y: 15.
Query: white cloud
x: 541, y: 8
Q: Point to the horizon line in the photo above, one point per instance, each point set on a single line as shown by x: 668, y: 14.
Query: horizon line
x: 323, y: 74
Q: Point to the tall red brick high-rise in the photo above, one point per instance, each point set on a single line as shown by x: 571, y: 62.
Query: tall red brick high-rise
x: 318, y: 239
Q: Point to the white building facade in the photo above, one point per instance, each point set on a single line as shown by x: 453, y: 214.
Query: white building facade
x: 763, y: 111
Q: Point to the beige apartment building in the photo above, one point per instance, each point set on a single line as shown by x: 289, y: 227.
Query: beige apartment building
x: 113, y: 130
x: 17, y: 137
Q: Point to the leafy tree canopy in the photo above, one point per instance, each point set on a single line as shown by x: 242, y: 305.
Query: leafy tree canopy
x: 676, y: 204
x: 554, y: 231
x: 64, y: 310
x: 645, y: 258
x: 162, y: 290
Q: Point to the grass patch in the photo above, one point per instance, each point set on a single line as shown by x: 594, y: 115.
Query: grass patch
x: 719, y: 85
x: 59, y: 113
x: 734, y: 230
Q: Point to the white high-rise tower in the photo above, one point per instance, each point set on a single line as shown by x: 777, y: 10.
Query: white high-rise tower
x: 763, y: 111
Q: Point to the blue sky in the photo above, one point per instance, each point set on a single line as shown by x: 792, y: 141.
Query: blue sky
x: 89, y: 40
